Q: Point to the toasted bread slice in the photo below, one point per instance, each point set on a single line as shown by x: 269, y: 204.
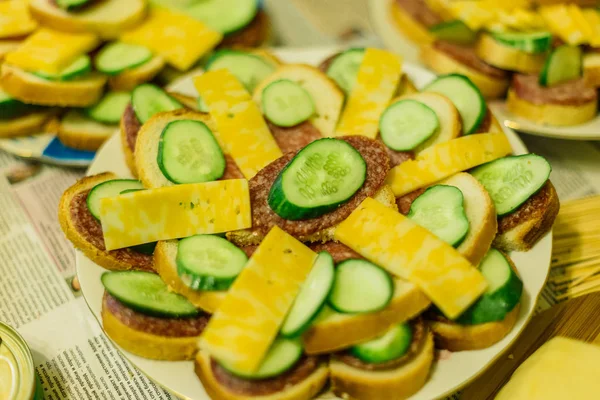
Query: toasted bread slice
x: 25, y: 125
x: 334, y: 331
x: 509, y: 58
x: 107, y: 18
x: 409, y: 27
x: 349, y: 382
x: 326, y: 95
x: 83, y: 133
x: 32, y: 89
x: 129, y: 79
x: 520, y: 230
x: 307, y: 388
x: 188, y: 101
x: 247, y: 237
x: 591, y: 69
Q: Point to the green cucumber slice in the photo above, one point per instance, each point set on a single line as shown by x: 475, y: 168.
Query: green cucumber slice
x: 312, y: 297
x: 406, y: 124
x: 360, y: 287
x: 440, y: 209
x: 81, y: 66
x: 454, y: 31
x: 565, y: 63
x: 530, y: 42
x: 466, y: 97
x: 208, y: 262
x: 391, y: 345
x: 147, y: 293
x: 110, y: 108
x: 324, y: 174
x: 344, y: 68
x: 283, y: 355
x: 117, y: 57
x: 110, y: 188
x: 225, y: 16
x: 285, y: 103
x: 71, y: 4
x: 248, y: 68
x: 512, y: 180
x: 502, y: 295
x: 189, y: 153
x: 12, y: 108
x: 148, y: 99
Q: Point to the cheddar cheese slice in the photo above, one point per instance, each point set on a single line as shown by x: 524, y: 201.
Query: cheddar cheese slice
x: 175, y: 212
x: 15, y: 19
x: 180, y: 39
x: 376, y: 83
x: 241, y: 331
x: 241, y: 127
x: 445, y: 159
x: 51, y: 51
x: 410, y: 251
x: 592, y: 17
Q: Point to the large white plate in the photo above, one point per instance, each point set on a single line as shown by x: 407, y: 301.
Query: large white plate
x: 448, y: 375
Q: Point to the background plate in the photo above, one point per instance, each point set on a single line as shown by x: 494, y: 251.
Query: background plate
x: 448, y: 374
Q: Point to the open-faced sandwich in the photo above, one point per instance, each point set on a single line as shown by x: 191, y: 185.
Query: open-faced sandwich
x: 284, y: 240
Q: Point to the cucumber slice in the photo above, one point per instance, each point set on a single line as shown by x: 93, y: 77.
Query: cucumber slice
x: 406, y: 124
x: 131, y: 191
x: 147, y: 293
x: 391, y: 345
x: 360, y: 287
x: 148, y: 99
x: 110, y: 188
x: 110, y: 108
x: 454, y: 31
x: 285, y: 103
x: 530, y: 42
x: 189, y: 153
x: 118, y: 57
x: 248, y: 68
x: 81, y: 66
x: 12, y: 108
x: 565, y: 63
x: 324, y: 174
x: 71, y: 4
x: 225, y: 16
x: 208, y: 262
x: 344, y: 68
x: 512, y: 180
x: 466, y: 97
x: 502, y: 295
x: 312, y: 297
x: 440, y: 209
x: 283, y: 355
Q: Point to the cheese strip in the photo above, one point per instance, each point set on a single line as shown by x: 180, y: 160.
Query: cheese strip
x: 51, y: 51
x: 445, y: 159
x: 15, y: 19
x: 560, y: 20
x: 592, y: 17
x: 180, y: 39
x: 241, y: 331
x: 241, y: 127
x: 410, y: 251
x: 175, y: 212
x: 376, y: 83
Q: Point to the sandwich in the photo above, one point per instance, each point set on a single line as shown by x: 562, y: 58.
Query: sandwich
x: 519, y: 52
x: 414, y: 18
x: 19, y: 119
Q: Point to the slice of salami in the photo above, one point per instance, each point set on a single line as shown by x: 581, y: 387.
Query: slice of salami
x: 420, y: 11
x: 232, y: 171
x: 326, y: 63
x: 486, y: 124
x: 572, y: 93
x: 294, y: 138
x: 398, y: 157
x: 131, y: 125
x: 338, y: 251
x: 466, y: 55
x: 252, y: 35
x: 263, y: 218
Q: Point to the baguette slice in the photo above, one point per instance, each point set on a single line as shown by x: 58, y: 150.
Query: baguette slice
x: 505, y: 57
x: 395, y: 384
x: 129, y: 79
x: 591, y: 69
x: 32, y: 89
x: 106, y: 18
x: 83, y: 133
x: 25, y: 125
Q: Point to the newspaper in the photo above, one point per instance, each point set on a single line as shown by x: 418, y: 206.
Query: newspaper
x: 39, y: 296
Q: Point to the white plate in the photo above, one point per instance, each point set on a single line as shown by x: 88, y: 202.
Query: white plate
x: 448, y: 375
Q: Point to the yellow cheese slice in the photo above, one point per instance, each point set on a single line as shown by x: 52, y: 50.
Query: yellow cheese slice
x: 581, y: 22
x: 445, y: 159
x: 175, y: 212
x: 376, y: 83
x: 593, y: 19
x: 561, y: 23
x: 241, y: 127
x: 15, y: 19
x: 51, y: 51
x: 241, y: 331
x: 180, y: 39
x: 410, y: 251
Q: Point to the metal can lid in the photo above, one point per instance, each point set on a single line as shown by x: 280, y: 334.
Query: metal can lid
x: 17, y: 370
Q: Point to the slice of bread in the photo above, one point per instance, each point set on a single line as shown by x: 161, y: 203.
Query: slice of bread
x: 81, y: 132
x: 188, y: 101
x: 106, y: 18
x: 349, y: 382
x: 124, y: 127
x: 591, y: 69
x: 129, y: 79
x: 25, y: 125
x: 509, y: 58
x: 32, y: 89
x: 409, y: 27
